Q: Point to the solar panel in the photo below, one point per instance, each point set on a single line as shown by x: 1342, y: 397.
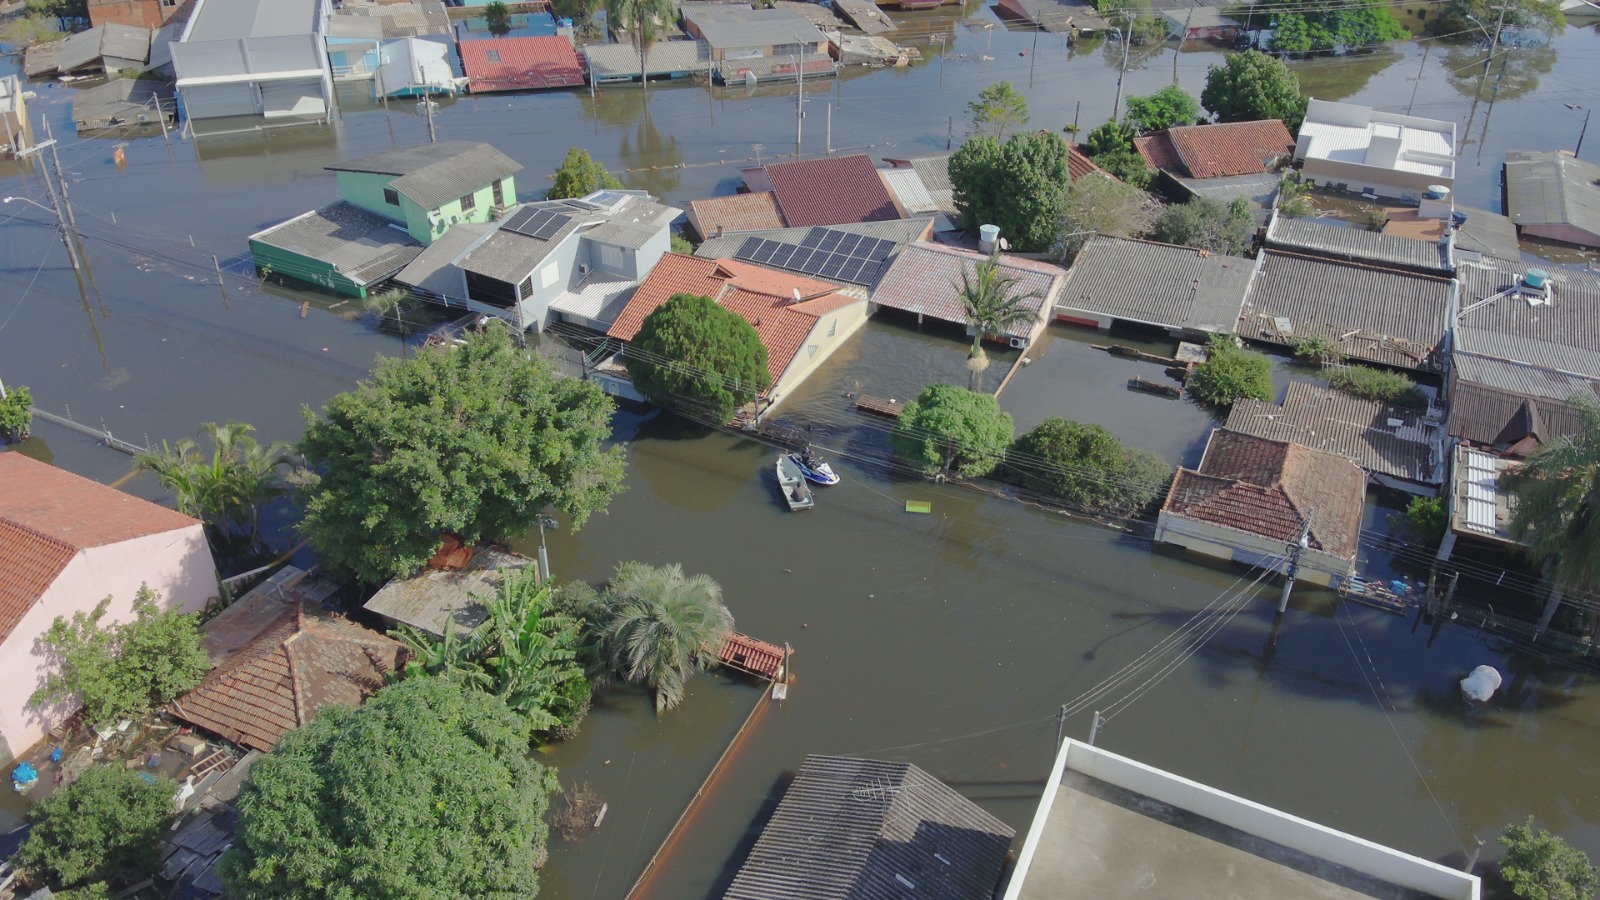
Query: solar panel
x: 814, y: 237
x: 764, y: 253
x: 805, y: 260
x: 835, y: 267
x: 874, y: 249
x: 519, y: 220
x: 747, y: 250
x: 783, y: 254
x: 848, y: 242
x: 831, y: 240
x: 551, y: 227
x: 850, y: 270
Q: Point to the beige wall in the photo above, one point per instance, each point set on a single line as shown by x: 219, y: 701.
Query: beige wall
x: 818, y: 346
x: 1231, y: 544
x: 1387, y: 182
x: 175, y: 564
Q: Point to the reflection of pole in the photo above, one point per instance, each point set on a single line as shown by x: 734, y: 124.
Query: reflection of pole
x: 1418, y: 80
x: 799, y: 97
x: 1495, y: 42
x: 1116, y: 108
x: 1494, y: 93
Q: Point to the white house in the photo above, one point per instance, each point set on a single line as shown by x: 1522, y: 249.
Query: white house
x: 1360, y: 149
x: 254, y: 58
x: 66, y: 543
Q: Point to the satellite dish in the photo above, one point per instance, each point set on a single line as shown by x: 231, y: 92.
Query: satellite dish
x: 797, y: 295
x: 1005, y: 244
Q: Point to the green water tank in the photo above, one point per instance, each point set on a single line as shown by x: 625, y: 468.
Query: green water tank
x: 1536, y: 278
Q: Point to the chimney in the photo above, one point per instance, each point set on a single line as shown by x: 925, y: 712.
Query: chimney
x: 719, y: 231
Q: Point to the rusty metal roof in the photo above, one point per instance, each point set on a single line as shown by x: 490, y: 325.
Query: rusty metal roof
x: 747, y: 654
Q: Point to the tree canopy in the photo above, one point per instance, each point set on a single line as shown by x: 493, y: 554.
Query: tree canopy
x: 124, y: 669
x: 497, y: 18
x: 663, y: 627
x: 1539, y: 865
x: 950, y: 429
x: 1167, y: 108
x: 579, y: 176
x: 1111, y: 148
x: 477, y: 440
x: 1301, y: 28
x: 1208, y: 225
x: 1252, y: 85
x: 16, y: 414
x: 691, y: 353
x: 1000, y: 108
x: 1095, y: 205
x: 104, y: 828
x: 227, y: 490
x: 1086, y: 466
x: 1231, y: 372
x: 426, y: 791
x: 1016, y: 186
x: 991, y: 302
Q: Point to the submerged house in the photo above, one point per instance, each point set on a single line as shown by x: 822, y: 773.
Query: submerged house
x: 1554, y: 196
x: 413, y: 67
x: 254, y: 58
x: 520, y: 64
x: 105, y: 48
x: 1378, y: 154
x: 450, y: 592
x: 925, y: 280
x: 758, y: 44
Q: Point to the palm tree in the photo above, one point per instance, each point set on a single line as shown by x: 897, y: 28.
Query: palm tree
x: 227, y: 491
x: 1556, y: 515
x: 640, y: 18
x: 667, y: 625
x: 992, y: 306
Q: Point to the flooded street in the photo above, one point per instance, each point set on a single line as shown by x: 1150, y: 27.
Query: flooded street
x: 950, y: 640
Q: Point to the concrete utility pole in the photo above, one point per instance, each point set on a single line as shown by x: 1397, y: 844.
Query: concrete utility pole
x: 1094, y: 727
x: 1298, y: 545
x: 1124, y: 37
x: 61, y: 178
x: 1499, y: 23
x: 800, y: 95
x: 427, y: 104
x: 61, y: 223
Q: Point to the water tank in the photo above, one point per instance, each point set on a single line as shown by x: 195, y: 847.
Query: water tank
x: 1536, y: 278
x: 988, y: 237
x: 1437, y: 192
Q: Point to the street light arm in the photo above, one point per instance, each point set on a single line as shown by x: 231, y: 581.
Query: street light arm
x: 34, y: 202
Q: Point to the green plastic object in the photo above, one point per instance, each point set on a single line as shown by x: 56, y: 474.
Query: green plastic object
x: 919, y: 506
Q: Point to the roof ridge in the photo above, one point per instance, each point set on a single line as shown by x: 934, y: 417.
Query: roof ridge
x: 40, y: 535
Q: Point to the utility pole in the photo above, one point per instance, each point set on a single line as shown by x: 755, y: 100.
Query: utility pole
x: 1116, y: 108
x: 1300, y: 543
x: 1061, y: 719
x: 54, y: 207
x: 799, y: 97
x: 1094, y: 727
x: 61, y: 179
x: 1499, y: 23
x: 830, y: 131
x: 949, y: 132
x: 427, y: 104
x: 161, y: 116
x: 1033, y: 55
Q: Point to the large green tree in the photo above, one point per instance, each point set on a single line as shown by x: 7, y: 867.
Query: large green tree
x: 1086, y: 466
x: 1231, y: 372
x: 1167, y: 108
x: 1000, y: 108
x: 948, y: 429
x: 1111, y: 147
x: 478, y: 440
x: 16, y: 413
x: 663, y: 627
x: 694, y: 355
x: 579, y: 176
x: 1252, y: 85
x: 1308, y: 27
x: 1016, y: 186
x: 1539, y: 865
x: 104, y: 828
x: 1556, y: 516
x: 1209, y: 225
x: 122, y: 669
x: 426, y: 791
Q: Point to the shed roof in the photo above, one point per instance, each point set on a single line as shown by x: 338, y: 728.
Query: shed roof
x: 1269, y: 488
x: 400, y: 19
x: 432, y: 175
x: 1484, y: 232
x: 1370, y: 313
x: 48, y: 515
x: 863, y: 828
x: 1552, y: 188
x: 434, y: 599
x: 1341, y: 241
x: 926, y: 278
x: 112, y: 40
x: 520, y: 63
x: 1158, y: 284
x: 360, y: 245
x: 121, y: 101
x: 621, y: 60
x: 1218, y: 151
x: 831, y: 191
x: 1383, y: 439
x: 433, y: 270
x: 1498, y: 320
x: 1493, y: 416
x: 730, y: 26
x: 737, y: 212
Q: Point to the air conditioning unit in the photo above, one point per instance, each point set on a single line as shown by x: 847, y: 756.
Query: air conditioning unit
x: 583, y: 268
x: 1019, y: 343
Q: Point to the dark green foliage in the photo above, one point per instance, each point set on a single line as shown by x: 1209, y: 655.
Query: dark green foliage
x: 1539, y: 865
x: 67, y: 13
x: 579, y: 176
x: 1557, y: 491
x: 998, y: 109
x: 691, y: 353
x: 1167, y: 108
x: 1231, y: 372
x: 227, y: 490
x: 1317, y: 349
x: 426, y: 791
x: 1208, y: 225
x: 1313, y: 28
x: 124, y: 669
x: 104, y: 827
x: 663, y: 627
x: 497, y: 17
x: 1110, y: 137
x: 1423, y: 522
x: 16, y: 414
x: 949, y: 429
x: 1111, y: 148
x: 1538, y: 15
x: 1017, y: 186
x: 1379, y: 384
x: 478, y: 440
x: 1086, y: 466
x: 1252, y: 85
x: 681, y: 245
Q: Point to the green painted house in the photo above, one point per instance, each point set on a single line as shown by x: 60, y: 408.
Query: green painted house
x: 393, y: 205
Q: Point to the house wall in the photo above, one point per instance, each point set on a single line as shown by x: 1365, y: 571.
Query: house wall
x: 365, y: 189
x: 756, y: 180
x: 13, y: 122
x: 1238, y: 546
x: 303, y: 268
x: 1566, y: 234
x: 1385, y: 182
x: 175, y: 564
x: 830, y: 332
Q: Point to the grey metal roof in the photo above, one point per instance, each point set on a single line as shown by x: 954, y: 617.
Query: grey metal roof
x: 393, y: 20
x: 1345, y: 425
x: 224, y: 20
x: 1258, y: 189
x: 1552, y: 187
x: 1488, y: 233
x: 901, y: 231
x: 434, y: 599
x: 41, y: 59
x: 621, y: 60
x: 1340, y: 241
x: 1520, y: 378
x: 341, y: 25
x: 633, y: 223
x: 435, y: 174
x: 926, y: 279
x: 361, y: 245
x: 1563, y: 334
x: 1158, y: 284
x: 728, y: 26
x: 264, y: 56
x: 508, y: 256
x: 161, y: 44
x: 122, y: 101
x: 1370, y: 313
x: 434, y: 269
x: 114, y: 41
x: 1491, y: 416
x: 849, y: 828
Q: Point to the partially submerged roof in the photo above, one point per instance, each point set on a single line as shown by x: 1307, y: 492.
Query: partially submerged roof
x: 897, y: 233
x: 433, y: 270
x: 360, y: 245
x: 1158, y: 284
x: 520, y: 63
x: 1383, y: 439
x: 432, y: 175
x: 122, y: 101
x: 1552, y: 188
x: 1218, y: 151
x: 1502, y: 318
x: 1270, y: 489
x: 49, y: 515
x: 1485, y: 233
x: 849, y: 828
x: 609, y: 62
x: 926, y: 278
x: 1339, y: 240
x: 736, y: 212
x: 831, y: 191
x: 435, y: 599
x: 114, y: 41
x: 730, y: 26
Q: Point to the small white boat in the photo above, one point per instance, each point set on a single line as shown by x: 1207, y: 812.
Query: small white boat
x: 814, y: 468
x: 793, y: 484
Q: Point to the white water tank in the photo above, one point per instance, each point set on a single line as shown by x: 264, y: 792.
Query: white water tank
x: 988, y: 237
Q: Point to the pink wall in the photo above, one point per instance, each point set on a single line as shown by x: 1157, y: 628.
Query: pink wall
x: 175, y: 564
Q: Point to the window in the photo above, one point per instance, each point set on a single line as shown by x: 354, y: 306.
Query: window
x: 494, y: 55
x: 499, y: 193
x: 391, y: 196
x: 525, y: 289
x: 833, y: 328
x: 550, y: 274
x: 469, y: 202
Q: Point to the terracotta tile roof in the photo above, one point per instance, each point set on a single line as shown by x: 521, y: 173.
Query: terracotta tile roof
x: 1265, y: 487
x: 48, y: 515
x: 831, y: 191
x: 520, y: 63
x: 739, y: 212
x: 673, y: 274
x: 1158, y: 151
x: 300, y: 660
x: 1217, y: 151
x: 1079, y: 164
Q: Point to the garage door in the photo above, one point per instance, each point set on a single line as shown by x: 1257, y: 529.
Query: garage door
x: 209, y: 101
x: 301, y: 97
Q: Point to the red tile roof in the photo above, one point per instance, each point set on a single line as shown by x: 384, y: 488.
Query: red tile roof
x: 747, y: 654
x: 762, y: 297
x: 738, y: 212
x: 831, y: 191
x: 520, y: 63
x: 48, y: 515
x: 1265, y: 487
x: 1079, y: 164
x: 1217, y: 151
x: 1158, y: 151
x: 300, y: 660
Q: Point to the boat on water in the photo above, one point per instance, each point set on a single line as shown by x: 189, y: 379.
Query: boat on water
x: 814, y: 468
x: 793, y: 484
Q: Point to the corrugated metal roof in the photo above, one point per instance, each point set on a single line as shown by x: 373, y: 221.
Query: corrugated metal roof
x: 901, y: 231
x: 520, y: 63
x: 121, y: 101
x: 1520, y: 378
x: 849, y: 828
x: 226, y: 20
x: 1348, y: 426
x: 907, y: 187
x: 264, y: 56
x: 360, y: 245
x: 926, y: 278
x: 1158, y: 284
x: 633, y: 223
x: 621, y: 60
x: 600, y: 299
x: 1552, y: 188
x: 508, y: 256
x: 727, y: 26
x: 435, y: 599
x: 116, y: 41
x: 434, y: 269
x: 1370, y: 313
x: 1349, y: 242
x: 1481, y: 509
x: 1493, y: 416
x: 1563, y: 334
x: 435, y: 174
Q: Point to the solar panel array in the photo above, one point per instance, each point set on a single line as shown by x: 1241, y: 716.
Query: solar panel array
x: 542, y: 224
x: 827, y: 253
x: 1482, y: 503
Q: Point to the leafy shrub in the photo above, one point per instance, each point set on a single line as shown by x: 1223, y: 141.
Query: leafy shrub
x: 1381, y: 385
x: 948, y: 428
x: 16, y: 414
x: 1317, y: 349
x: 104, y: 827
x: 1423, y: 522
x: 1086, y: 466
x: 1230, y: 373
x: 1541, y: 866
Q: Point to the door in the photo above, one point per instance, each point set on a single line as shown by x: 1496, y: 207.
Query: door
x: 210, y: 101
x: 296, y: 97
